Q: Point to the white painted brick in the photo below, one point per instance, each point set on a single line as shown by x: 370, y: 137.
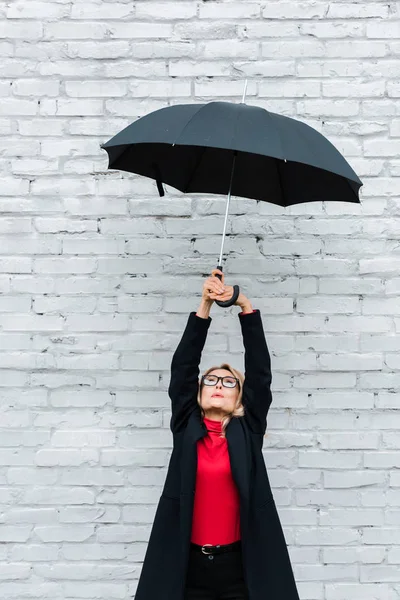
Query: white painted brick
x: 22, y: 31
x: 14, y: 187
x: 106, y: 10
x: 72, y: 30
x: 165, y: 10
x: 159, y: 89
x: 164, y: 50
x: 227, y: 48
x: 98, y: 274
x: 326, y: 304
x: 229, y: 88
x: 267, y: 68
x: 35, y: 87
x: 69, y: 68
x: 393, y: 88
x: 145, y: 31
x: 208, y: 30
x: 85, y: 89
x: 5, y: 88
x: 66, y: 107
x: 382, y: 147
x: 68, y: 147
x: 350, y: 89
x: 290, y: 89
x: 322, y: 30
x: 62, y: 186
x: 16, y: 106
x: 363, y: 10
x: 294, y: 10
x: 379, y: 108
x: 379, y: 30
x: 37, y: 10
x: 184, y: 68
x: 119, y: 49
x: 34, y: 166
x: 268, y: 30
x: 229, y: 10
x: 328, y: 108
x: 10, y: 67
x: 293, y: 49
x: 359, y: 49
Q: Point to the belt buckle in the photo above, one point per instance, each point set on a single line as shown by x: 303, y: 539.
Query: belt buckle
x: 202, y: 549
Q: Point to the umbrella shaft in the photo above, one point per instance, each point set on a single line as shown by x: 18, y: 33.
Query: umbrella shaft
x: 227, y: 208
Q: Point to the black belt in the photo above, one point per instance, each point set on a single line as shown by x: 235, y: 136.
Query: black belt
x: 219, y: 549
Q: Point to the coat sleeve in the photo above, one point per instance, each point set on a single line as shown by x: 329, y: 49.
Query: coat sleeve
x: 184, y: 383
x: 257, y: 395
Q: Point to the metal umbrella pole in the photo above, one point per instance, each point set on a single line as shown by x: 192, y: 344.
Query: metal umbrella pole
x: 236, y: 289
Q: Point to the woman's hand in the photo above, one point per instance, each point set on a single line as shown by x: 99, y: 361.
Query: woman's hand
x: 213, y: 288
x: 241, y: 300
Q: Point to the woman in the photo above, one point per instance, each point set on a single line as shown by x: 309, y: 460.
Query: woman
x: 216, y: 533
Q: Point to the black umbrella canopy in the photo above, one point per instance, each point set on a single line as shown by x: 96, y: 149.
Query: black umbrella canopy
x: 191, y: 147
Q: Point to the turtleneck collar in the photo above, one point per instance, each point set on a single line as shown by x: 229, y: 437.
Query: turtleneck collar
x: 213, y: 425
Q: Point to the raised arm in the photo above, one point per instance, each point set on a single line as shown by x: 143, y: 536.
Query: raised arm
x: 184, y: 383
x: 257, y: 395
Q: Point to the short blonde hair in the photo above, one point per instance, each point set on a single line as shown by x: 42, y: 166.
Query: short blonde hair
x: 238, y: 411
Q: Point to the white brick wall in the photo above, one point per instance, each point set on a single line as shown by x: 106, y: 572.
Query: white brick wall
x: 98, y: 274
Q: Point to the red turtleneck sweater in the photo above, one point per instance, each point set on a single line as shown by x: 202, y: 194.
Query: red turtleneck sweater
x: 216, y: 518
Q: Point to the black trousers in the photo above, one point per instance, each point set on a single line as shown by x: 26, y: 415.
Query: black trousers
x: 215, y: 577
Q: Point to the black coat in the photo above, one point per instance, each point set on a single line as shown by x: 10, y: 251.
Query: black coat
x: 266, y: 561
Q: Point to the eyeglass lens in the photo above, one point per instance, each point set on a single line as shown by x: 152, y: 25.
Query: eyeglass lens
x: 226, y: 381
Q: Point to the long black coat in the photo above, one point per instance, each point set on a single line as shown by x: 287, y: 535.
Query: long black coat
x: 266, y: 561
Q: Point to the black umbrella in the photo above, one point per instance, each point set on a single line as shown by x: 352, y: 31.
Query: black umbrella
x: 238, y: 149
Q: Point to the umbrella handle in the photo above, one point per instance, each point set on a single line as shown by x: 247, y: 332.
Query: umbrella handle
x: 235, y: 294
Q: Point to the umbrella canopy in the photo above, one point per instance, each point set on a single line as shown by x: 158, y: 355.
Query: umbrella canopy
x: 239, y: 149
x: 191, y: 147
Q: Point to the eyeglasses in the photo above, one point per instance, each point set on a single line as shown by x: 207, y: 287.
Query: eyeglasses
x: 227, y: 381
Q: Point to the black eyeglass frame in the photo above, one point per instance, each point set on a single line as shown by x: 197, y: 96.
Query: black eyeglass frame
x: 222, y: 379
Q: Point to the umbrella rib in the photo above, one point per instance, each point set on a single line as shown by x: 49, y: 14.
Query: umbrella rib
x: 280, y: 181
x: 192, y: 174
x: 192, y: 117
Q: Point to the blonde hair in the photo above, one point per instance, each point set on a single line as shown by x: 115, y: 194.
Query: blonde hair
x: 238, y: 411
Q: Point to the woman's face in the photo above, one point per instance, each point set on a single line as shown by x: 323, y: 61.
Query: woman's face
x: 218, y: 400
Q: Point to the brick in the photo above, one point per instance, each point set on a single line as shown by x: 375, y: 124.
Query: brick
x: 166, y: 10
x: 72, y: 30
x: 106, y: 10
x: 37, y: 10
x: 93, y: 89
x: 117, y: 49
x: 226, y: 49
x: 322, y: 30
x: 20, y: 30
x: 352, y: 10
x: 294, y: 10
x: 36, y: 87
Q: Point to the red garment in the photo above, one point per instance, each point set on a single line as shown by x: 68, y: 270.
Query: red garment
x: 216, y: 515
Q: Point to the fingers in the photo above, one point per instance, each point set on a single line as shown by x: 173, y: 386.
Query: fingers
x: 222, y: 297
x: 214, y: 285
x: 216, y: 272
x: 218, y: 286
x: 226, y: 295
